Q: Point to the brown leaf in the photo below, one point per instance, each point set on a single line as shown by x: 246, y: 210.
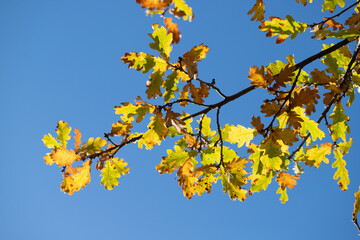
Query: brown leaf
x: 270, y: 108
x: 172, y: 28
x: 257, y: 77
x: 256, y: 122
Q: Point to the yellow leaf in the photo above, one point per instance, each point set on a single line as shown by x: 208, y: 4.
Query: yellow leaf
x: 64, y: 157
x: 78, y: 179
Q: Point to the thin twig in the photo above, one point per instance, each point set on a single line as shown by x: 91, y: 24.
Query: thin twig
x: 329, y: 18
x: 221, y: 163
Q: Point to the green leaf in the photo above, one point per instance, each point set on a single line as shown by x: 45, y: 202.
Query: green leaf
x: 339, y: 126
x: 162, y: 41
x: 331, y: 5
x: 50, y: 141
x: 93, y: 146
x: 345, y: 146
x: 129, y: 110
x: 112, y: 172
x: 63, y: 132
x: 211, y: 155
x: 206, y: 128
x: 317, y: 155
x: 260, y: 182
x: 174, y: 159
x: 308, y: 125
x: 145, y: 62
x: 170, y: 85
x: 282, y: 27
x: 283, y: 197
x: 341, y: 172
x: 156, y: 132
x: 239, y: 134
x: 154, y: 84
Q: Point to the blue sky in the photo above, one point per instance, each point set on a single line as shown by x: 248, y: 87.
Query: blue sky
x: 60, y: 60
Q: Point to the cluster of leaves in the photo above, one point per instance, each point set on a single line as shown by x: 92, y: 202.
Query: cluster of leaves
x: 288, y: 136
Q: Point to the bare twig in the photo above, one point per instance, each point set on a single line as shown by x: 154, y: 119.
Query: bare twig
x: 221, y: 163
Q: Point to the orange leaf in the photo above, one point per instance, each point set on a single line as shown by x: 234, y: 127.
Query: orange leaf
x: 172, y: 28
x: 152, y: 4
x: 77, y: 139
x: 258, y: 77
x: 286, y: 180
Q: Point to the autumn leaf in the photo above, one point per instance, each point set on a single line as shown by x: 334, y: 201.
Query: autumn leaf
x: 120, y: 128
x: 128, y: 110
x: 77, y: 139
x: 259, y: 182
x: 154, y: 4
x: 154, y: 85
x: 174, y: 160
x: 239, y: 134
x: 187, y: 179
x: 316, y: 154
x: 198, y: 94
x: 172, y: 28
x: 145, y: 62
x: 331, y: 5
x: 181, y: 9
x: 269, y: 108
x: 157, y: 131
x: 257, y: 77
x: 286, y: 180
x: 112, y: 171
x: 341, y: 172
x: 339, y: 124
x: 63, y: 132
x: 283, y: 197
x: 63, y: 157
x: 304, y: 2
x: 50, y: 141
x: 162, y: 41
x: 282, y: 27
x: 172, y: 119
x: 79, y: 178
x: 170, y: 86
x: 256, y: 122
x: 356, y: 205
x: 258, y: 11
x: 93, y: 145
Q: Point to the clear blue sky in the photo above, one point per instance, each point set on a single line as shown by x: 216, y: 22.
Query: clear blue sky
x: 60, y: 60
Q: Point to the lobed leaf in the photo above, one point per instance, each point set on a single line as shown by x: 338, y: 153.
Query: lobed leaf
x: 282, y: 27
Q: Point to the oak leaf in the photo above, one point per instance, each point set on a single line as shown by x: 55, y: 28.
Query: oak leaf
x: 316, y: 154
x: 172, y: 28
x: 63, y: 132
x: 341, y: 172
x: 286, y: 180
x: 78, y: 179
x: 157, y: 131
x: 258, y: 11
x: 154, y: 4
x: 282, y: 27
x: 162, y: 41
x: 63, y: 157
